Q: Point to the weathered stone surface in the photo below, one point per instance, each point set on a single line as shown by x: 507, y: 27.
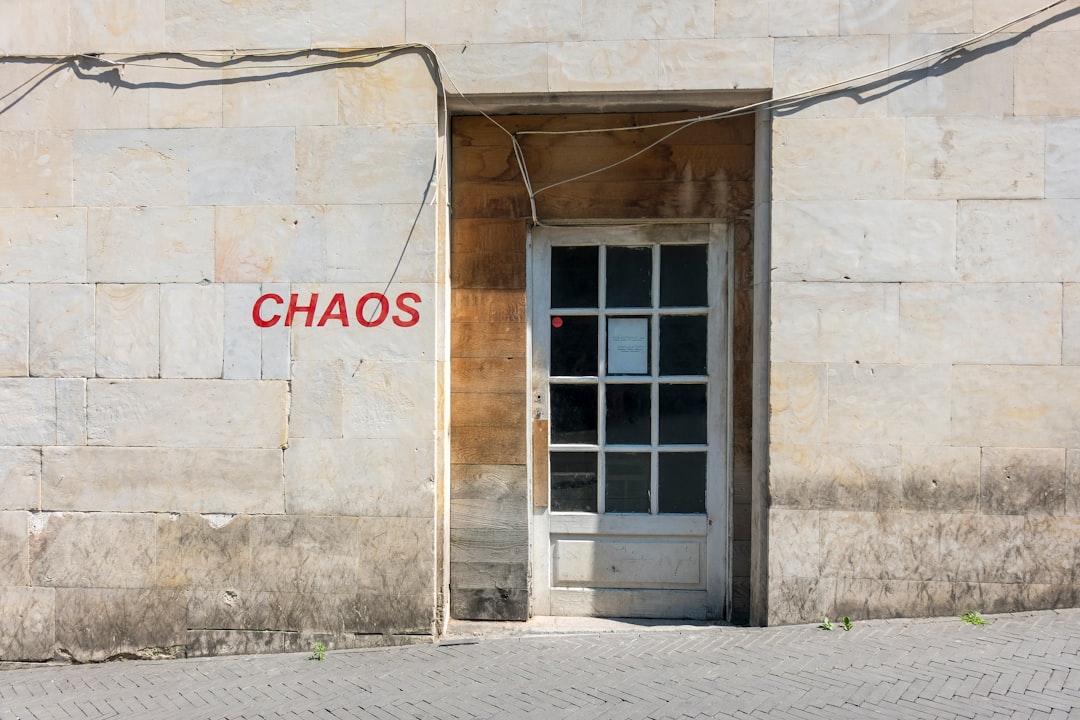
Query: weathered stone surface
x: 371, y: 477
x: 127, y: 330
x: 38, y: 168
x: 186, y: 413
x: 603, y: 66
x: 1043, y: 85
x: 1003, y: 323
x: 26, y: 625
x: 940, y: 478
x: 798, y: 403
x: 14, y: 555
x: 212, y: 25
x: 210, y: 643
x: 42, y: 245
x: 796, y: 535
x: 715, y: 63
x: 105, y: 550
x: 380, y: 243
x: 267, y: 94
x: 343, y: 23
x: 14, y: 330
x: 1016, y: 406
x: 849, y: 477
x: 1022, y: 481
x: 22, y: 32
x: 522, y: 67
x: 741, y: 18
x: 399, y: 90
x: 27, y: 411
x: 991, y: 14
x: 111, y: 26
x: 867, y: 17
x: 95, y: 624
x: 364, y: 164
x: 645, y: 20
x: 20, y: 478
x: 1063, y: 158
x: 889, y: 404
x: 931, y: 16
x: 1072, y: 483
x: 315, y: 410
x: 879, y: 545
x: 838, y: 158
x: 962, y: 157
x: 276, y: 353
x: 799, y: 600
x: 150, y: 244
x: 192, y: 331
x: 390, y: 400
x: 271, y: 244
x: 70, y: 411
x: 816, y: 17
x: 981, y: 86
x: 216, y: 554
x: 198, y: 480
x: 442, y: 21
x: 198, y: 104
x: 864, y: 241
x: 805, y: 63
x: 1026, y: 241
x: 62, y: 330
x: 243, y: 338
x: 835, y: 322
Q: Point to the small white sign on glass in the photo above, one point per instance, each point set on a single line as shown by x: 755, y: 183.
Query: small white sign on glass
x: 628, y: 346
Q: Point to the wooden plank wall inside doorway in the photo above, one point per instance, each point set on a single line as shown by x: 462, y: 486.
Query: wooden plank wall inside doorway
x: 704, y: 172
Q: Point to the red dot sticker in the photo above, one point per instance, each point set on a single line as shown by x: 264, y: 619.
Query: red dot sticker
x: 556, y: 322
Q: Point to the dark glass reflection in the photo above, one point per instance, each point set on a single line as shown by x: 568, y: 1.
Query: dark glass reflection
x: 573, y: 346
x: 573, y: 413
x: 683, y: 411
x: 627, y: 420
x: 573, y: 481
x: 682, y: 482
x: 684, y: 276
x: 627, y: 482
x: 683, y: 345
x: 629, y: 277
x: 574, y: 273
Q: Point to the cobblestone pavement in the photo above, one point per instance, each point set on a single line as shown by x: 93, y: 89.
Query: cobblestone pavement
x: 1020, y: 665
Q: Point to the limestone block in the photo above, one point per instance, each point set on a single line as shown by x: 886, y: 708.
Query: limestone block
x: 26, y: 625
x: 14, y: 554
x: 390, y: 400
x: 806, y: 63
x: 150, y: 244
x: 105, y: 550
x: 1018, y: 241
x: 1070, y: 326
x: 931, y: 16
x: 799, y: 600
x: 47, y: 106
x: 837, y: 159
x: 646, y: 20
x: 1004, y: 323
x: 603, y: 66
x: 271, y: 244
x: 1016, y: 406
x: 522, y: 67
x: 1044, y: 83
x: 211, y: 643
x: 118, y: 26
x: 385, y: 340
x: 741, y: 18
x: 241, y: 166
x: 991, y: 14
x: 1072, y: 483
x: 14, y: 330
x: 37, y: 168
x: 376, y: 477
x: 275, y: 93
x: 864, y: 240
x: 344, y: 23
x: 889, y: 404
x: 95, y: 624
x: 315, y: 408
x: 186, y: 413
x: 42, y: 245
x: 798, y: 403
x: 873, y: 17
x: 276, y: 351
x: 243, y: 340
x: 213, y: 25
x: 127, y: 330
x: 841, y: 477
x: 1006, y: 548
x: 362, y: 164
x: 192, y: 330
x: 398, y: 90
x: 62, y: 330
x: 979, y: 86
x: 27, y: 411
x: 966, y: 158
x: 835, y: 322
x: 380, y: 243
x: 145, y: 479
x: 70, y: 411
x: 1022, y: 481
x: 20, y: 478
x: 34, y: 27
x: 937, y: 478
x: 486, y: 21
x: 879, y: 545
x: 712, y: 64
x: 185, y: 95
x: 803, y: 17
x: 795, y: 539
x: 1063, y: 158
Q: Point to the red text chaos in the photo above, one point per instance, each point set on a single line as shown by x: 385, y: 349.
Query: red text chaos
x: 371, y: 310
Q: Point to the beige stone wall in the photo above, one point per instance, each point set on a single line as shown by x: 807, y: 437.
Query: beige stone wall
x: 171, y: 474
